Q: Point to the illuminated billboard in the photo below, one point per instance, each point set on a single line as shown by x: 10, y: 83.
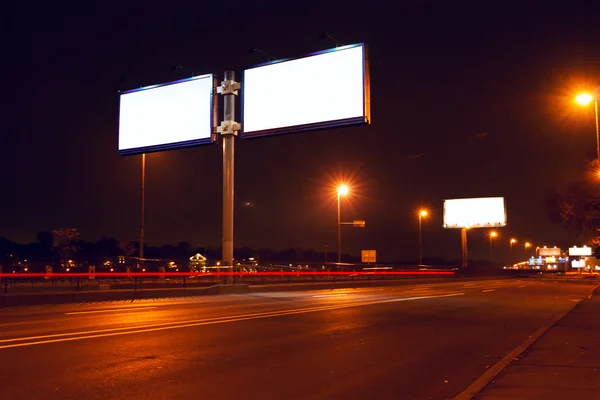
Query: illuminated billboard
x: 322, y: 90
x: 549, y: 251
x: 167, y: 116
x: 580, y: 251
x: 484, y: 212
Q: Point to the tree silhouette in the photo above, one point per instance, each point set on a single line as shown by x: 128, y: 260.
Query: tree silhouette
x: 65, y: 244
x: 577, y: 206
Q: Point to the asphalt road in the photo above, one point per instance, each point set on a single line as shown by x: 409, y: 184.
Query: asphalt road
x: 428, y: 341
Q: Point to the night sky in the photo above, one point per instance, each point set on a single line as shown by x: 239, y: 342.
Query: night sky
x: 469, y: 99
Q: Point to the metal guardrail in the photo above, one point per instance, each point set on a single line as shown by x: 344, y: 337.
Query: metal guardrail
x: 49, y: 282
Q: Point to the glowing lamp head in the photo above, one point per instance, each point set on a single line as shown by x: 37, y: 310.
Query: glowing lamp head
x: 584, y: 99
x: 527, y: 245
x: 423, y: 213
x: 493, y: 234
x: 513, y: 241
x: 342, y: 190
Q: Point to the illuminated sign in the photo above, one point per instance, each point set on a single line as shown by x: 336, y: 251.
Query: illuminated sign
x: 168, y: 116
x: 325, y: 89
x: 549, y: 252
x: 368, y: 256
x: 485, y: 212
x: 580, y: 251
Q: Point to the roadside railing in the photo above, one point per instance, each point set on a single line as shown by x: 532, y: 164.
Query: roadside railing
x: 80, y: 281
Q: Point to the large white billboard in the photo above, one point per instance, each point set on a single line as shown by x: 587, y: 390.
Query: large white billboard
x: 580, y: 251
x: 483, y: 212
x: 168, y: 116
x: 325, y: 89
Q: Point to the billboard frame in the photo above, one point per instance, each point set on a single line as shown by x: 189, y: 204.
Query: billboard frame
x: 175, y: 145
x: 317, y: 126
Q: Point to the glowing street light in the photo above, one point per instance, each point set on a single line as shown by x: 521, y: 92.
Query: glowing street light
x: 527, y: 245
x: 342, y: 190
x: 422, y: 214
x: 511, y: 242
x: 493, y: 235
x: 584, y: 99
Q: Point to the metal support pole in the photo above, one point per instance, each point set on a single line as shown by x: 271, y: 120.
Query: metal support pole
x: 143, y: 210
x: 597, y: 130
x: 228, y: 130
x: 420, y: 241
x: 339, y: 232
x: 463, y: 240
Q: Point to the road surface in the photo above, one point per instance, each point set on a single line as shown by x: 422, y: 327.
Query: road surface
x: 427, y: 341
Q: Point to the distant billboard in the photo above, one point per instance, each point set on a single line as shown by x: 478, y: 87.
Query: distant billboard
x: 549, y: 251
x: 321, y: 90
x: 483, y: 212
x: 580, y: 251
x: 167, y: 116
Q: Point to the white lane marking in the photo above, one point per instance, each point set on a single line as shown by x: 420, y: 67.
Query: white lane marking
x: 209, y: 321
x: 487, y: 290
x: 109, y: 310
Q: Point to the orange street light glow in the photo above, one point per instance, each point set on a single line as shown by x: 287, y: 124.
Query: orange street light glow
x: 342, y: 190
x: 584, y: 99
x: 423, y: 213
x: 513, y: 240
x: 527, y: 244
x: 493, y: 234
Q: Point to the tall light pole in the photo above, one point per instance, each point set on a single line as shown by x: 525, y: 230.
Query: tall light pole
x: 584, y: 99
x: 143, y: 209
x: 527, y: 246
x: 493, y: 234
x: 342, y: 190
x: 422, y: 213
x: 511, y: 243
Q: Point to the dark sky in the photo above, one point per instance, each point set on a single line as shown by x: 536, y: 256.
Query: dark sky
x: 482, y: 89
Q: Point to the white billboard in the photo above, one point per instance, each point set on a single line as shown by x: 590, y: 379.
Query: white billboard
x: 580, y: 251
x: 549, y: 251
x: 483, y: 212
x: 168, y: 116
x: 325, y: 89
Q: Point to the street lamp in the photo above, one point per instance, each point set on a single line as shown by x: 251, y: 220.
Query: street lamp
x: 342, y: 190
x: 493, y: 234
x: 527, y: 246
x: 584, y: 99
x: 510, y: 243
x: 422, y: 213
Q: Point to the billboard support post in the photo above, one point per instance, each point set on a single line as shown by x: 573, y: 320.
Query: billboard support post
x: 228, y: 130
x: 143, y: 210
x: 463, y: 244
